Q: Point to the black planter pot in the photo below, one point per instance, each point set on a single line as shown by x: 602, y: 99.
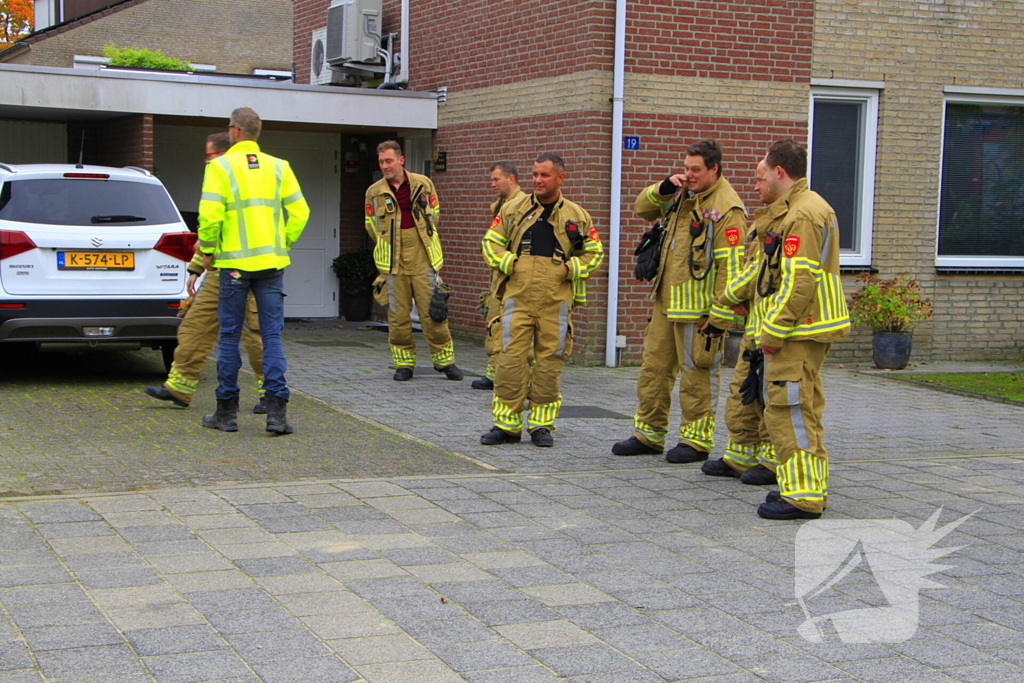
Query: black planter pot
x: 356, y: 300
x: 891, y: 350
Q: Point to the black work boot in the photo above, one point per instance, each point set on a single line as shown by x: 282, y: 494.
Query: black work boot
x: 261, y: 407
x: 163, y: 394
x: 402, y: 374
x: 684, y: 452
x: 541, y: 437
x: 225, y: 418
x: 497, y: 435
x: 634, y: 446
x: 718, y: 468
x: 277, y: 415
x: 484, y: 384
x: 452, y: 372
x: 758, y: 475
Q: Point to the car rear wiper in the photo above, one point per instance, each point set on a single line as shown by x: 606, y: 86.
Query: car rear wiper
x: 117, y: 219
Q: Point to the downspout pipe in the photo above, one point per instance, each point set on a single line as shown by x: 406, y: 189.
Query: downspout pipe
x: 403, y: 70
x: 615, y: 219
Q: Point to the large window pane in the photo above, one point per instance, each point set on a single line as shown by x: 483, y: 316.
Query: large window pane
x: 835, y: 163
x: 982, y: 203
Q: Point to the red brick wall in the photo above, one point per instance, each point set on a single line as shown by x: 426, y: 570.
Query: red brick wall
x: 127, y: 141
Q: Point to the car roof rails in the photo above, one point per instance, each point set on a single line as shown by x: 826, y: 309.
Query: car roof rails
x: 8, y: 168
x: 140, y: 170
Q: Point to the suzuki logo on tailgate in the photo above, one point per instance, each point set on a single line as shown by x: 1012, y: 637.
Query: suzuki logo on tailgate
x: 97, y: 242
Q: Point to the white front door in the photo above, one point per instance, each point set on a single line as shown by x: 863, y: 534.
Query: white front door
x: 309, y: 282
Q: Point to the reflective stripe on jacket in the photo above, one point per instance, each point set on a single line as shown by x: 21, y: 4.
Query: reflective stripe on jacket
x: 384, y: 220
x: 241, y: 211
x: 809, y: 302
x: 719, y: 249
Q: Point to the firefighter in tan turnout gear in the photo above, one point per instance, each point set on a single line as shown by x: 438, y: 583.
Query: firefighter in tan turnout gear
x: 749, y: 454
x: 545, y: 248
x: 402, y: 216
x: 701, y: 250
x: 198, y: 331
x: 803, y: 313
x: 505, y: 182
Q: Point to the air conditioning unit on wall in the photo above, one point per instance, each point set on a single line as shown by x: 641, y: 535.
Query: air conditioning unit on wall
x: 353, y: 31
x: 319, y: 69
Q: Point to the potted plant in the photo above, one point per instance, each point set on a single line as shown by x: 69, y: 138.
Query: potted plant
x: 892, y: 309
x: 356, y: 270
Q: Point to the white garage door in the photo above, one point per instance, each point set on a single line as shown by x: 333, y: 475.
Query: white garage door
x: 33, y: 142
x: 310, y: 284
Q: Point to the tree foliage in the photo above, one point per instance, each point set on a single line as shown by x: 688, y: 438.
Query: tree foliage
x: 143, y: 58
x: 15, y: 20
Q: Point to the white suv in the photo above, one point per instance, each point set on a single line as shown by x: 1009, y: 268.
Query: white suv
x: 90, y: 254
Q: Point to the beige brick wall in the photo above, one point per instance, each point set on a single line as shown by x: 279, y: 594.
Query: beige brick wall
x: 236, y: 36
x: 917, y: 49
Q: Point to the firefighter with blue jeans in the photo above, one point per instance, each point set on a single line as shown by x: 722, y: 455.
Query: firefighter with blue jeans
x: 803, y: 313
x: 243, y: 234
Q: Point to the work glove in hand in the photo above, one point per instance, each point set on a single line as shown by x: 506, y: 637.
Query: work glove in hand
x: 439, y: 302
x: 750, y: 389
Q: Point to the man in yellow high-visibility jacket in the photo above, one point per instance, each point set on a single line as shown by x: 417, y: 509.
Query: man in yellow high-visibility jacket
x: 243, y: 233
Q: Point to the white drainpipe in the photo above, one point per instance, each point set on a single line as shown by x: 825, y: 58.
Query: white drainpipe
x: 403, y: 70
x: 614, y: 227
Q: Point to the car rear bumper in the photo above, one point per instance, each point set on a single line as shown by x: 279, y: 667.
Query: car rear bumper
x: 67, y: 320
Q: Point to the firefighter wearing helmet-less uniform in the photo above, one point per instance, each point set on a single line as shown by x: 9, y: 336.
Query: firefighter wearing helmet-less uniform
x: 545, y: 248
x: 749, y: 454
x: 804, y: 312
x: 505, y: 181
x: 701, y: 250
x: 402, y: 215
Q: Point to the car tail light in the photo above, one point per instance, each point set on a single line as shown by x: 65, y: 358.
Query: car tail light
x: 100, y: 176
x: 10, y: 305
x: 180, y: 245
x: 14, y: 242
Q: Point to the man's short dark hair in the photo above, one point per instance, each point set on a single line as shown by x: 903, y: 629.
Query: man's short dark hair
x: 790, y: 156
x: 506, y: 167
x: 220, y: 142
x: 710, y: 151
x: 555, y: 160
x: 248, y: 121
x: 390, y: 144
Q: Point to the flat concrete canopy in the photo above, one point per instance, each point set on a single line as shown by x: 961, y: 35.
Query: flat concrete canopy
x: 46, y: 93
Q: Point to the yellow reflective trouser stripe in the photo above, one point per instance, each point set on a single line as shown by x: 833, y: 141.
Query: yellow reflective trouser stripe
x: 803, y: 477
x: 650, y: 433
x: 178, y: 382
x: 766, y: 454
x: 403, y: 358
x: 246, y: 253
x: 544, y: 415
x: 490, y: 370
x: 744, y: 455
x: 444, y: 357
x: 504, y: 418
x: 700, y: 432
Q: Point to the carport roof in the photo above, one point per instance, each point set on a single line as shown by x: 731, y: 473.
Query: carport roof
x: 47, y: 93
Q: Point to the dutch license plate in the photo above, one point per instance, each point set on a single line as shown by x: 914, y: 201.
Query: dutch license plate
x: 95, y: 260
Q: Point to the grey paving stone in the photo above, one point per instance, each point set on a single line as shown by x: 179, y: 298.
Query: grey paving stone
x: 104, y: 561
x: 122, y: 578
x: 510, y: 612
x: 407, y: 557
x: 252, y: 621
x: 940, y: 653
x: 349, y: 514
x: 24, y: 676
x: 533, y: 576
x: 74, y: 530
x: 397, y: 587
x: 605, y: 615
x: 175, y: 640
x: 42, y: 595
x: 294, y: 523
x: 196, y: 666
x: 30, y: 557
x: 585, y: 659
x: 894, y: 668
x: 685, y: 664
x: 696, y: 620
x: 33, y: 576
x: 319, y: 669
x: 633, y: 676
x: 477, y: 591
x: 14, y: 655
x: 70, y: 614
x: 275, y: 566
x: 256, y: 647
x: 989, y: 673
x: 86, y: 662
x: 164, y: 532
x: 418, y: 607
x: 436, y: 632
x: 490, y: 654
x: 157, y: 549
x: 657, y: 598
x: 224, y: 600
x: 52, y: 511
x: 64, y: 637
x: 519, y: 674
x: 649, y: 638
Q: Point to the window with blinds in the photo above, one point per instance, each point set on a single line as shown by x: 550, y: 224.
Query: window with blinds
x: 981, y: 210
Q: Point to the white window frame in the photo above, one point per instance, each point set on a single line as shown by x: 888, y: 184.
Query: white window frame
x: 860, y: 255
x: 1013, y: 97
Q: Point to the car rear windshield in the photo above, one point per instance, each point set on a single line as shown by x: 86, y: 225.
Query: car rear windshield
x: 73, y: 201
